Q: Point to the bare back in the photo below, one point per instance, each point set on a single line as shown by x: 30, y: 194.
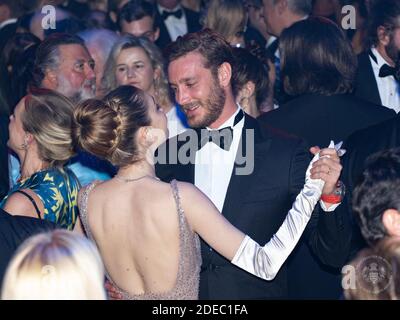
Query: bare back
x: 147, y: 246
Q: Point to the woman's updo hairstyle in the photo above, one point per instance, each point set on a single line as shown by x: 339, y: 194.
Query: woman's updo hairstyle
x: 107, y: 128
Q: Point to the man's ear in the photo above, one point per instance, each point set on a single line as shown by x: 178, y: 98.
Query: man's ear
x: 50, y: 80
x: 391, y: 222
x: 156, y: 34
x: 383, y: 36
x: 282, y: 6
x: 224, y: 74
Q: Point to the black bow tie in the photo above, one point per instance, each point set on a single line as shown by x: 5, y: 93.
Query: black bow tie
x: 178, y: 13
x: 387, y: 70
x: 222, y: 137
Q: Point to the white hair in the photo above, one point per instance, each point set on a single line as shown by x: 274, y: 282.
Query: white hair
x: 57, y: 265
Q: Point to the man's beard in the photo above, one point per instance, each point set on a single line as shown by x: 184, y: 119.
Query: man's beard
x: 213, y: 105
x: 393, y: 52
x: 82, y: 94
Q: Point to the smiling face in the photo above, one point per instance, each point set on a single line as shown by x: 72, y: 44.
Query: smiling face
x: 196, y: 89
x: 133, y: 67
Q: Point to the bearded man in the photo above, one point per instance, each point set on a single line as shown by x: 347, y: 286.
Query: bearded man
x: 378, y: 73
x: 252, y: 174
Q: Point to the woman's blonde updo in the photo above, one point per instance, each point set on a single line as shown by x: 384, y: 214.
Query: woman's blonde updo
x: 48, y: 117
x: 107, y: 128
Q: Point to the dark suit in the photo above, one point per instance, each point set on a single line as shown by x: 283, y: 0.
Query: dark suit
x: 319, y: 119
x: 192, y: 21
x: 13, y: 231
x: 6, y: 33
x: 366, y: 87
x: 4, y: 183
x: 360, y: 145
x: 257, y: 204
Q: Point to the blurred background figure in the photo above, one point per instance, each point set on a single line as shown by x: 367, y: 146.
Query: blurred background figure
x: 174, y: 20
x: 378, y: 73
x: 377, y: 272
x: 357, y: 36
x: 228, y: 18
x: 40, y: 135
x: 99, y: 43
x: 318, y: 70
x: 137, y: 17
x: 58, y: 265
x: 250, y: 83
x: 256, y: 31
x: 138, y: 62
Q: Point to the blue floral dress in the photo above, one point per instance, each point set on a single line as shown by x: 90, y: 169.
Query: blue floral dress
x: 58, y: 190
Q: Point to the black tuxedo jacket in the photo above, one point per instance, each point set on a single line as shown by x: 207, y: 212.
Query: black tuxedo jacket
x: 319, y: 119
x: 6, y: 33
x: 366, y: 87
x: 360, y: 145
x: 257, y: 204
x: 192, y: 21
x: 13, y: 231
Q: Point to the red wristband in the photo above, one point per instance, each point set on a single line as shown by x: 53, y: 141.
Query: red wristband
x: 331, y: 198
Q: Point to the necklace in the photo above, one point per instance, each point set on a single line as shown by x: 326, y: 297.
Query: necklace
x: 127, y: 179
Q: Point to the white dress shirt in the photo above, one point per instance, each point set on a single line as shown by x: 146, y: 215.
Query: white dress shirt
x: 214, y: 165
x: 387, y: 86
x: 176, y: 27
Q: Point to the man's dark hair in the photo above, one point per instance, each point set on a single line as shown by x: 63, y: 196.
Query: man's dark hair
x: 377, y: 191
x: 47, y: 54
x: 209, y: 44
x: 15, y: 7
x: 248, y: 67
x: 317, y: 58
x: 385, y: 13
x: 136, y: 10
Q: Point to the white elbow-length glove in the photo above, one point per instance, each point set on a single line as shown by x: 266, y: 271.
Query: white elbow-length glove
x: 265, y: 262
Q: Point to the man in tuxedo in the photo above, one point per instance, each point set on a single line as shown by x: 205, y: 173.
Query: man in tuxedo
x: 137, y: 17
x: 174, y: 20
x: 13, y: 231
x: 4, y: 182
x: 252, y: 174
x: 279, y: 15
x: 378, y: 73
x: 319, y: 68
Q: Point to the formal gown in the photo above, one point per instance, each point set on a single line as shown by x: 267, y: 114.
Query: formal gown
x: 262, y: 261
x: 187, y: 280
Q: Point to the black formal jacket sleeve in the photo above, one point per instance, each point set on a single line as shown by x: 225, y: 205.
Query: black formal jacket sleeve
x: 4, y: 183
x: 13, y: 231
x: 257, y: 204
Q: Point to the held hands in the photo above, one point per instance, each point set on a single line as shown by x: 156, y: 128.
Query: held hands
x: 327, y: 167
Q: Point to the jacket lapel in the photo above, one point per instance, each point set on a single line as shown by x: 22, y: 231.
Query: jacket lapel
x: 251, y: 148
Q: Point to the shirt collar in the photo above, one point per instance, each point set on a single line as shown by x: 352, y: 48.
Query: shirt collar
x: 8, y: 21
x: 230, y: 121
x: 161, y: 9
x: 380, y: 61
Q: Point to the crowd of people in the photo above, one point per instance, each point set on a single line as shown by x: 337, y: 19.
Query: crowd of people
x: 220, y: 149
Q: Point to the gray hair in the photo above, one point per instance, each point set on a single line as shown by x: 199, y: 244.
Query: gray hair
x: 300, y: 7
x: 48, y: 54
x: 103, y: 39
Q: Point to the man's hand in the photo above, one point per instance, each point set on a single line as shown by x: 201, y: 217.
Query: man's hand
x: 327, y: 168
x: 113, y: 294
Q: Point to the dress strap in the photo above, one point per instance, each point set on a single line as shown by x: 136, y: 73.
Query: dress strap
x: 31, y: 200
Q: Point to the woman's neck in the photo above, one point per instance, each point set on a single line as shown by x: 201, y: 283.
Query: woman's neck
x: 137, y: 170
x: 31, y: 164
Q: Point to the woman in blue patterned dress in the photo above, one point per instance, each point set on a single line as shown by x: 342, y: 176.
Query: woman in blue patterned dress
x: 40, y: 135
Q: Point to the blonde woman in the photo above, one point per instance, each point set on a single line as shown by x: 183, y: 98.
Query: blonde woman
x: 228, y: 18
x: 40, y: 135
x: 136, y: 61
x: 57, y: 265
